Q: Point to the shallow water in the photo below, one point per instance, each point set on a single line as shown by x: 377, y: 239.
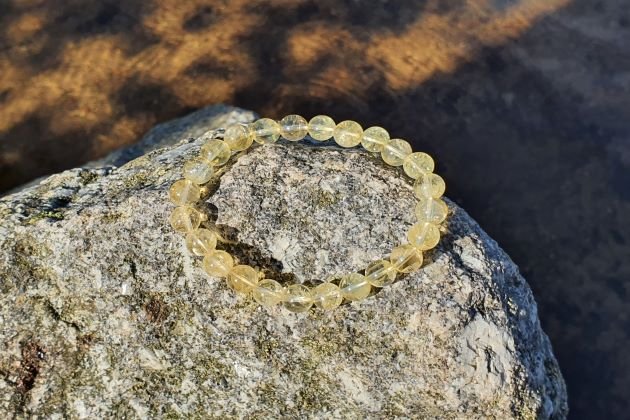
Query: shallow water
x: 524, y: 104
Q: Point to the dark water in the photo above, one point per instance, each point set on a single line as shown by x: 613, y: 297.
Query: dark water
x: 524, y: 104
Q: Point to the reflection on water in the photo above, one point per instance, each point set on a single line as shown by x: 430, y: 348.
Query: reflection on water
x: 525, y: 104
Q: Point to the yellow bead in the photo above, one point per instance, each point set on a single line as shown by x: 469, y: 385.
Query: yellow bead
x: 242, y: 278
x: 424, y: 235
x: 184, y: 192
x: 406, y: 258
x: 374, y: 139
x: 395, y: 152
x: 293, y: 127
x: 432, y: 210
x: 198, y: 170
x: 380, y: 273
x: 266, y: 131
x: 298, y: 298
x: 216, y: 151
x: 268, y: 292
x: 201, y: 241
x: 348, y: 133
x: 238, y: 137
x: 218, y: 263
x: 355, y: 286
x: 185, y: 219
x: 321, y: 127
x: 429, y: 185
x: 327, y: 296
x: 417, y: 164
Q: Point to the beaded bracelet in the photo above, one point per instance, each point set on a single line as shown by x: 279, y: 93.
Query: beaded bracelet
x: 428, y: 187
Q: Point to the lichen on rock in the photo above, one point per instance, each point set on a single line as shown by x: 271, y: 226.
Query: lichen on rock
x: 103, y: 312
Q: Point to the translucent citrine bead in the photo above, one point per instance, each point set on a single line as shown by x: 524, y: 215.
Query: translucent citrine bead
x: 218, y: 263
x: 268, y: 292
x: 432, y: 210
x: 201, y: 241
x: 417, y: 164
x: 348, y: 133
x: 355, y: 286
x: 395, y: 152
x: 298, y: 298
x: 184, y: 192
x: 424, y: 235
x: 238, y: 137
x: 266, y: 130
x: 374, y: 139
x: 242, y: 278
x: 321, y: 127
x: 198, y: 170
x: 380, y: 273
x: 406, y: 258
x: 327, y: 296
x: 429, y: 185
x: 216, y: 151
x: 293, y: 127
x: 185, y: 219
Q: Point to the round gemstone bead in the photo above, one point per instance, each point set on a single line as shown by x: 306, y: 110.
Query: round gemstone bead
x: 198, y: 170
x: 327, y: 296
x: 185, y: 219
x: 298, y: 298
x: 238, y: 137
x: 266, y: 130
x: 218, y: 263
x: 242, y: 278
x: 432, y: 210
x: 380, y: 273
x: 201, y: 241
x: 424, y: 235
x: 417, y: 164
x: 348, y: 133
x: 355, y: 286
x: 374, y: 139
x: 268, y: 292
x: 321, y: 127
x: 216, y: 151
x: 406, y: 258
x: 429, y: 185
x: 184, y: 192
x: 293, y: 127
x: 395, y: 152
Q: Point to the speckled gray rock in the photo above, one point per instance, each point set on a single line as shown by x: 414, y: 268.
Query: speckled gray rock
x: 103, y: 312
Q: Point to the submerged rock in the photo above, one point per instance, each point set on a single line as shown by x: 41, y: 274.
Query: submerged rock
x: 103, y: 311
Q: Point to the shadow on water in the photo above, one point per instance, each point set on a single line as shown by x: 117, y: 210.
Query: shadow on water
x: 524, y: 104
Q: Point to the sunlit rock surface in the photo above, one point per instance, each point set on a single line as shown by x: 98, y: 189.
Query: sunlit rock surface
x: 103, y: 312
